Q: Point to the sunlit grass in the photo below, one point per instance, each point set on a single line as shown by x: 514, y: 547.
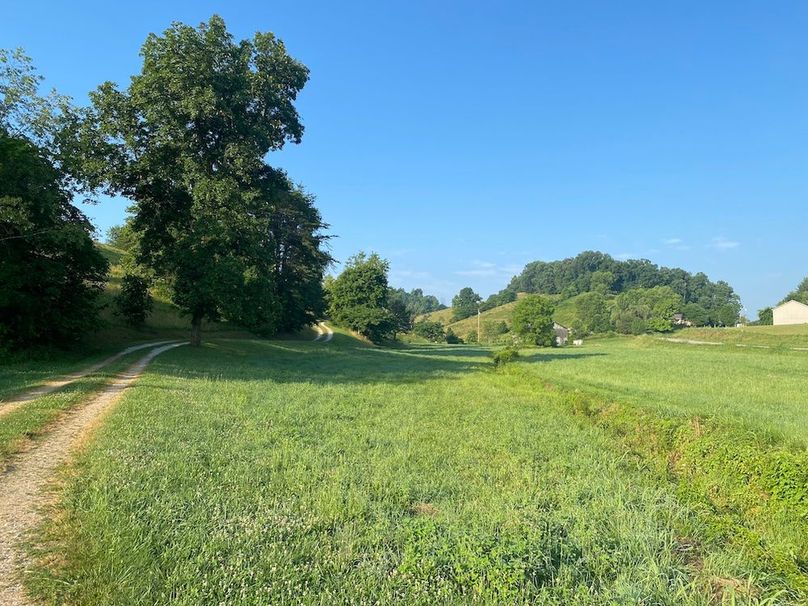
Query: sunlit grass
x: 252, y: 472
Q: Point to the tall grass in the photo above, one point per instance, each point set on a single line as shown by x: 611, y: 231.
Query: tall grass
x: 279, y: 473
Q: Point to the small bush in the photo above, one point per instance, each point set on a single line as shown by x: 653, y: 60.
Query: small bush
x: 452, y: 338
x: 503, y: 356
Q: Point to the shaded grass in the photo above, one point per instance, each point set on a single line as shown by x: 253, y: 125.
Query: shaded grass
x: 257, y: 473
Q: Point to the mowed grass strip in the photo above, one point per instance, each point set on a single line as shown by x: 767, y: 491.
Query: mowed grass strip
x: 280, y: 473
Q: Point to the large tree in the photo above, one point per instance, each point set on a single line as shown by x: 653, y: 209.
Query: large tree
x: 51, y: 273
x: 358, y: 297
x: 533, y: 320
x: 186, y: 143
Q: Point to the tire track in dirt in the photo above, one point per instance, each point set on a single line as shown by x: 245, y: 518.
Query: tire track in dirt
x: 23, y: 487
x: 14, y: 402
x: 323, y: 332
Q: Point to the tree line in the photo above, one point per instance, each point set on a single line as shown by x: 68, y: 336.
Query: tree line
x: 223, y: 233
x: 703, y: 302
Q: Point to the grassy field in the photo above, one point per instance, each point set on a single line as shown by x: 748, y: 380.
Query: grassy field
x: 771, y: 336
x: 764, y: 391
x: 255, y: 472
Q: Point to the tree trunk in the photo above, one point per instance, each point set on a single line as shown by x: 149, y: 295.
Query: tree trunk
x: 196, y: 330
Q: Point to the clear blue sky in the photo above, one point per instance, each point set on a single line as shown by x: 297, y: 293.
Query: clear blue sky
x: 463, y: 139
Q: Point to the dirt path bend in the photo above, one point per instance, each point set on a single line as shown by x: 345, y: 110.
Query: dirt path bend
x: 22, y: 487
x: 324, y: 331
x: 15, y: 401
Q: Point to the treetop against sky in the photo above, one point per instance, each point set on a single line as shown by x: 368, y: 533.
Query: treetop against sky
x: 463, y: 140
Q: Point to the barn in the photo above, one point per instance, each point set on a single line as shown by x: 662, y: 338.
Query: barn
x: 790, y: 312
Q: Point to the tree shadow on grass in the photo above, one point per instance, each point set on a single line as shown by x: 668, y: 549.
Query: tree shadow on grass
x: 342, y: 361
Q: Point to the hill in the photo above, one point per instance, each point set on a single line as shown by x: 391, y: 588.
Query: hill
x: 564, y: 314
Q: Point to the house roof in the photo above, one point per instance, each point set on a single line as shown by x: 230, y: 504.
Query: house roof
x: 789, y: 302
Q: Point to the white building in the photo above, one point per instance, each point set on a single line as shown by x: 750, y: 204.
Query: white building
x: 790, y: 312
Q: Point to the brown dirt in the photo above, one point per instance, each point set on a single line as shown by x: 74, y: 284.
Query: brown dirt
x: 23, y: 493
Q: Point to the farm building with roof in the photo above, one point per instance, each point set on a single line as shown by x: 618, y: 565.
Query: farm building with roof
x: 790, y: 312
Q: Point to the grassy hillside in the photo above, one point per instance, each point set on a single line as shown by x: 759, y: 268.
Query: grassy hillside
x: 564, y: 314
x: 164, y: 321
x: 344, y: 473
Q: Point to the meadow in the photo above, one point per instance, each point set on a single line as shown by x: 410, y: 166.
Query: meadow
x: 255, y: 472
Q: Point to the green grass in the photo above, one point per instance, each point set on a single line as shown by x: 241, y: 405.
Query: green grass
x: 254, y: 472
x: 771, y: 336
x: 762, y: 390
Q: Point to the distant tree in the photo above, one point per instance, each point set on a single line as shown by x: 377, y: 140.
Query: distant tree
x: 429, y: 330
x: 591, y: 271
x: 592, y: 311
x: 799, y: 294
x: 533, y: 320
x: 497, y: 299
x: 696, y: 314
x: 403, y: 318
x: 134, y: 303
x: 358, y: 297
x: 472, y: 337
x: 416, y: 302
x: 122, y: 237
x: 492, y: 329
x: 465, y: 304
x: 646, y: 310
x: 452, y: 338
x: 601, y: 282
x: 765, y: 316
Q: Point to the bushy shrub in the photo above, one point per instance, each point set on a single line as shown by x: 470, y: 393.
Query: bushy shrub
x: 429, y: 330
x: 452, y: 338
x: 503, y: 356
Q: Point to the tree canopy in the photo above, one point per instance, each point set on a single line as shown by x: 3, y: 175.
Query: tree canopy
x: 533, y: 320
x: 798, y: 294
x: 643, y: 310
x: 590, y: 271
x: 358, y: 297
x: 465, y: 304
x: 230, y: 236
x: 50, y: 271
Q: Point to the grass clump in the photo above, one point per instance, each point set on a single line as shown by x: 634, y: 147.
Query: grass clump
x: 504, y: 356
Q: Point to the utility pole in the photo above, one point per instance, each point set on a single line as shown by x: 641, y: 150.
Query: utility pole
x: 479, y: 335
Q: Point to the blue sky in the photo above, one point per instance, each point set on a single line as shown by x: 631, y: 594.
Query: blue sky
x: 463, y: 139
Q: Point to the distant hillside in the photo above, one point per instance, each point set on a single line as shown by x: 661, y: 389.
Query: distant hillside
x: 564, y: 314
x: 705, y: 302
